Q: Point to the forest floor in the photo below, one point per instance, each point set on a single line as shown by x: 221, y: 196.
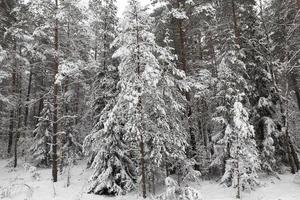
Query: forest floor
x: 18, y: 184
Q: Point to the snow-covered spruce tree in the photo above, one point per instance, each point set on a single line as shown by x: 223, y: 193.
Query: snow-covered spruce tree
x: 243, y: 163
x: 172, y: 86
x: 177, y: 14
x: 144, y: 115
x: 40, y: 149
x: 104, y: 23
x: 229, y: 82
x: 166, y: 156
x: 103, y: 70
x: 71, y: 149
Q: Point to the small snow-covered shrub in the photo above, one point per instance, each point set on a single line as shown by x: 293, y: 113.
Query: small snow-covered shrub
x: 32, y: 170
x: 174, y: 192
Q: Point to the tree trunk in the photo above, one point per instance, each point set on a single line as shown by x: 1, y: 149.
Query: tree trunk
x: 40, y: 108
x: 140, y: 109
x: 235, y: 23
x: 238, y: 194
x: 295, y: 86
x: 291, y: 154
x: 142, y: 149
x: 55, y: 94
x: 17, y: 135
x: 27, y: 99
x: 295, y: 75
x: 153, y: 183
x: 12, y: 115
x: 11, y: 131
x: 182, y: 42
x: 183, y: 65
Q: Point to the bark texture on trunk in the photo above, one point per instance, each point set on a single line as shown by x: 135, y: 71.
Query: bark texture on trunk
x: 235, y: 23
x: 142, y: 149
x: 19, y: 126
x: 55, y: 104
x: 12, y: 112
x: 27, y: 99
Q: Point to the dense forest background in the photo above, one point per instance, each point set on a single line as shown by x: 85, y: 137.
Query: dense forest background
x: 189, y: 89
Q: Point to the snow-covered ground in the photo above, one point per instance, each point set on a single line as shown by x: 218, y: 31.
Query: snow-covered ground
x: 20, y: 185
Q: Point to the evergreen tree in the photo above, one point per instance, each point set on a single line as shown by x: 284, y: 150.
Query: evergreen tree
x: 143, y: 83
x: 104, y: 26
x: 243, y: 164
x: 40, y: 149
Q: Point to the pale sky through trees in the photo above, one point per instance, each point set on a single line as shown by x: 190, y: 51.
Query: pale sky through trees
x: 121, y: 5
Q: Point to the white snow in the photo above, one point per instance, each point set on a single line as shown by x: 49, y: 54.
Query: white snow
x: 20, y: 185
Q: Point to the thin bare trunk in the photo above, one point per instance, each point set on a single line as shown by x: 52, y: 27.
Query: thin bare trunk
x: 11, y: 131
x: 12, y: 112
x: 55, y: 94
x: 235, y: 23
x: 142, y: 150
x: 27, y: 99
x: 238, y: 195
x: 17, y: 135
x: 182, y: 37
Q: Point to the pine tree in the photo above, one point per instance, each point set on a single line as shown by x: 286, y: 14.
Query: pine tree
x: 104, y: 27
x: 40, y: 149
x: 243, y: 164
x: 133, y: 121
x: 229, y: 79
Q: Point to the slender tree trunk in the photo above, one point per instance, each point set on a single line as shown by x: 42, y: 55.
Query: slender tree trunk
x: 166, y: 165
x: 153, y: 182
x: 17, y: 135
x: 235, y: 23
x: 11, y: 131
x: 143, y: 170
x: 55, y: 94
x: 238, y: 195
x: 16, y: 149
x: 27, y: 99
x: 12, y: 112
x: 40, y: 108
x: 96, y: 52
x: 296, y: 87
x: 182, y: 37
x: 105, y: 46
x: 77, y: 102
x: 140, y: 108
